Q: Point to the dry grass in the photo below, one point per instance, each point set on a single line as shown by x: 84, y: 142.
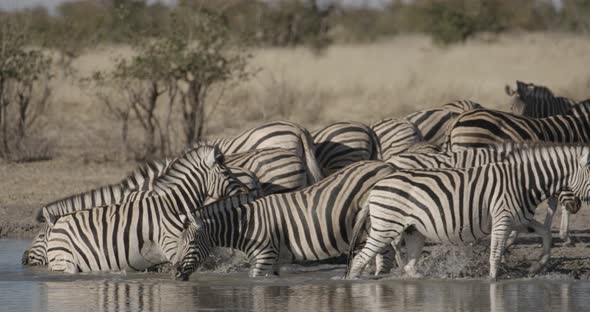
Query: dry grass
x: 348, y: 82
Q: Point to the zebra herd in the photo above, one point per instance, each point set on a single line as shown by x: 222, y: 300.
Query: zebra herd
x: 278, y: 192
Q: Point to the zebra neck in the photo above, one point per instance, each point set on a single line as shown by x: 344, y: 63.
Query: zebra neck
x: 541, y: 176
x: 226, y: 221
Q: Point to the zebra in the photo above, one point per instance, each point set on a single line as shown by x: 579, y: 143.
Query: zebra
x: 278, y: 134
x: 395, y: 136
x: 343, y: 143
x: 481, y: 128
x: 140, y: 233
x: 277, y: 170
x: 537, y: 101
x: 459, y: 206
x: 314, y: 223
x: 268, y: 170
x: 433, y: 123
x: 478, y: 157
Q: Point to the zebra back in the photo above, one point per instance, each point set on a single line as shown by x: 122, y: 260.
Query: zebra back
x: 481, y: 128
x: 278, y: 170
x: 395, y: 136
x: 433, y: 123
x: 343, y: 143
x: 277, y: 134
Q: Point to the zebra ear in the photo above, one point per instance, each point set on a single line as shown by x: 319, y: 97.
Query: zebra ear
x: 509, y: 90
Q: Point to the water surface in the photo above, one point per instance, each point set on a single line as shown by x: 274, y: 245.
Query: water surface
x: 300, y: 288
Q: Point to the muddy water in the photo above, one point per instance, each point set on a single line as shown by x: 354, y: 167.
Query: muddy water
x: 300, y: 288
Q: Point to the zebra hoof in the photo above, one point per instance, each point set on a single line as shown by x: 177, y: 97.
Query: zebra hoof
x: 536, y: 268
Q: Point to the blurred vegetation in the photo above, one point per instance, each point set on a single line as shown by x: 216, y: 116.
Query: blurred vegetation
x: 24, y: 93
x: 84, y: 23
x: 187, y: 52
x: 170, y: 78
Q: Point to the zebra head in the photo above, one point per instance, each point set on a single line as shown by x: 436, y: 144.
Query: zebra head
x: 37, y: 252
x: 221, y: 182
x: 527, y: 94
x: 580, y: 180
x: 193, y: 247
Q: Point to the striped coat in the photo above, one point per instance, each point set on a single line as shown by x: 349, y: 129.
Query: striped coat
x: 344, y: 143
x: 140, y: 233
x: 277, y: 134
x: 458, y: 206
x: 314, y: 223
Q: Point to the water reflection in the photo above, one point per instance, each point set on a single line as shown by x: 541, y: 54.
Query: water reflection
x: 299, y: 290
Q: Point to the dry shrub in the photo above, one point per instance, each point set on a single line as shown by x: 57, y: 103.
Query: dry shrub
x: 34, y: 147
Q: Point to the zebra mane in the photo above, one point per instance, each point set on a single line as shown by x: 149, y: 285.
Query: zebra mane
x: 229, y: 202
x: 461, y: 106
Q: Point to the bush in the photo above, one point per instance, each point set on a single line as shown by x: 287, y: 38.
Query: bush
x: 24, y: 91
x: 177, y: 70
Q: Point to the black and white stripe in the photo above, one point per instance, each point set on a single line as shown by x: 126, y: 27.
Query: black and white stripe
x: 395, y: 136
x: 278, y: 134
x: 311, y: 224
x: 433, y: 123
x: 483, y: 156
x: 267, y: 171
x: 481, y: 128
x: 140, y: 233
x: 459, y: 206
x: 344, y: 143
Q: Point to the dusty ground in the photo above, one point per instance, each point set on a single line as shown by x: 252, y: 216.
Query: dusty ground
x: 349, y: 82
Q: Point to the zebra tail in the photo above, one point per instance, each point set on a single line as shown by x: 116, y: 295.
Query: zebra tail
x: 376, y: 152
x: 359, y: 226
x: 314, y: 173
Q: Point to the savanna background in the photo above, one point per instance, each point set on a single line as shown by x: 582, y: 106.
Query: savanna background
x: 90, y: 88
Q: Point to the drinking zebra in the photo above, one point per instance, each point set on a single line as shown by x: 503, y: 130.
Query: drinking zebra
x: 277, y: 134
x: 344, y: 143
x: 459, y: 206
x: 536, y: 101
x: 314, y: 223
x: 279, y: 171
x: 433, y: 123
x: 144, y: 232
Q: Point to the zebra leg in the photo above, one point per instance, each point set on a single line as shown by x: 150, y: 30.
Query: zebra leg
x: 397, y: 250
x: 384, y: 261
x: 541, y: 230
x: 500, y: 232
x: 414, y: 244
x: 564, y: 228
x: 551, y: 209
x: 376, y: 243
x: 264, y: 263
